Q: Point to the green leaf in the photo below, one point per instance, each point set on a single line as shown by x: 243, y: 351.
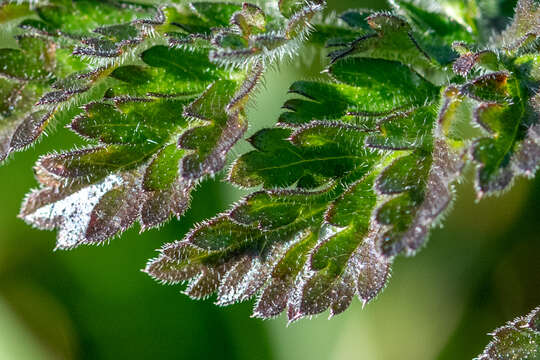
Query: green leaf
x: 359, y: 170
x: 31, y: 61
x: 291, y: 8
x: 435, y: 32
x: 360, y: 167
x: 524, y: 30
x: 518, y: 339
x: 25, y: 71
x: 368, y: 87
x: 164, y: 120
x: 282, y: 36
x: 509, y: 114
x: 11, y: 11
x: 131, y: 121
x: 392, y: 39
x: 311, y: 158
x: 224, y: 128
x: 184, y: 64
x: 43, y: 56
x: 109, y: 42
x: 89, y: 165
x: 468, y: 59
x: 80, y: 18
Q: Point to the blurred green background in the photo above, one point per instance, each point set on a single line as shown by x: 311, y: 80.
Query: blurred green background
x: 478, y: 272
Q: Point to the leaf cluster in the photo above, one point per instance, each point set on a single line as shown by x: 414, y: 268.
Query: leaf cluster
x: 159, y: 93
x: 362, y: 163
x: 357, y: 170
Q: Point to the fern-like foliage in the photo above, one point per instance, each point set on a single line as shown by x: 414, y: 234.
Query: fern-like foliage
x: 362, y: 162
x: 518, y: 339
x: 158, y: 92
x: 359, y: 167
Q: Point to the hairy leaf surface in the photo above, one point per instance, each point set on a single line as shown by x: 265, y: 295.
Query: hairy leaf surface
x: 518, y: 339
x: 164, y: 115
x: 362, y: 164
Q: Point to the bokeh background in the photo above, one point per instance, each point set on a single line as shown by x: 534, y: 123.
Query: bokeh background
x: 480, y: 271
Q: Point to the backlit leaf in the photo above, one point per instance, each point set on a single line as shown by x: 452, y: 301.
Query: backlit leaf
x: 162, y: 122
x: 362, y: 165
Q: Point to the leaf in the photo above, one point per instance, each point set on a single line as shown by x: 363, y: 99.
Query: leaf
x: 310, y: 159
x: 484, y: 59
x: 163, y: 122
x: 359, y: 169
x: 211, y: 142
x: 131, y: 121
x: 11, y: 11
x: 97, y: 36
x: 504, y: 88
x: 268, y: 230
x: 525, y: 28
x: 435, y: 32
x: 65, y: 17
x: 252, y: 46
x: 68, y: 209
x: 509, y: 114
x: 392, y: 39
x: 105, y: 41
x: 290, y: 8
x: 518, y: 339
x: 25, y: 80
x: 313, y: 249
x: 137, y: 133
x: 368, y: 87
x: 31, y: 61
x: 332, y: 34
x: 43, y: 56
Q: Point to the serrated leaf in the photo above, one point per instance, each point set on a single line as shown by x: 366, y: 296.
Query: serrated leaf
x: 250, y: 19
x: 11, y: 11
x: 69, y: 209
x: 291, y: 7
x: 66, y: 16
x: 435, y: 32
x: 131, y: 121
x: 506, y: 113
x: 518, y: 339
x: 360, y: 168
x: 20, y: 124
x: 187, y: 65
x: 165, y: 120
x: 345, y: 188
x: 43, y: 56
x: 392, y: 39
x: 484, y: 59
x: 310, y: 159
x: 368, y: 87
x: 525, y: 28
x: 105, y: 42
x: 211, y: 142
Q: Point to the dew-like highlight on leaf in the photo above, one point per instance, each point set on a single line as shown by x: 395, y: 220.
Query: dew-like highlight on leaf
x: 70, y: 214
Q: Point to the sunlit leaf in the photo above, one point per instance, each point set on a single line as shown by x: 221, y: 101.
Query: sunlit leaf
x: 162, y: 122
x: 338, y: 202
x: 362, y: 165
